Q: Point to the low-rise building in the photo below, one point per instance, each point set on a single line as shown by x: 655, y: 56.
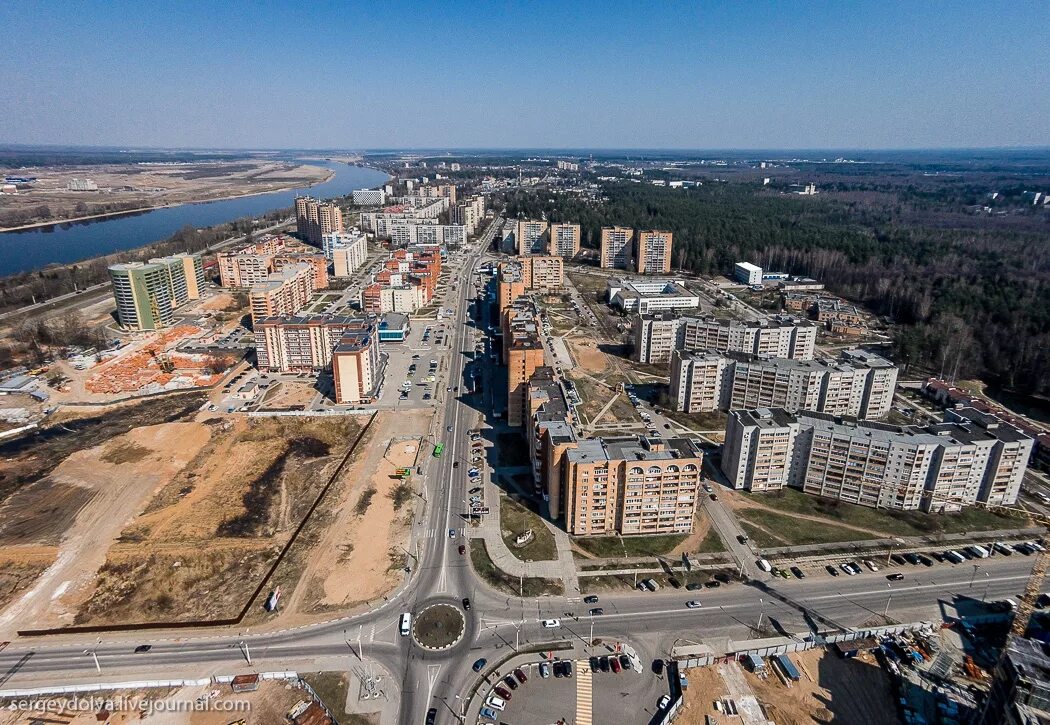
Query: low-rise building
x: 747, y: 273
x: 650, y: 295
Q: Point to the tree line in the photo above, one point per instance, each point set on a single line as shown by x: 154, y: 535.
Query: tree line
x: 969, y: 300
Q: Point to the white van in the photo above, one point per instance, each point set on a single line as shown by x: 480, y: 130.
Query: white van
x: 764, y: 565
x: 406, y: 624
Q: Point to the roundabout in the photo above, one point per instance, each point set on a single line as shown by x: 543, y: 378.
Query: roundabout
x: 439, y: 627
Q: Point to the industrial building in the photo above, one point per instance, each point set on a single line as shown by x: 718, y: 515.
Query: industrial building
x: 943, y: 467
x: 747, y: 273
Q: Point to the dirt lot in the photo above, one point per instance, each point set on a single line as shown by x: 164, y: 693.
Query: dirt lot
x: 360, y: 555
x: 210, y: 531
x: 124, y: 187
x: 590, y: 358
x: 850, y: 692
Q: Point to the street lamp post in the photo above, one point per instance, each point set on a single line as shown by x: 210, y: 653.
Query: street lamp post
x: 976, y: 567
x: 761, y: 613
x: 889, y: 598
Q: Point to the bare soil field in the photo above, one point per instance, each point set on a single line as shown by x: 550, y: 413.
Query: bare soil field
x: 210, y: 531
x: 360, y: 555
x: 126, y: 187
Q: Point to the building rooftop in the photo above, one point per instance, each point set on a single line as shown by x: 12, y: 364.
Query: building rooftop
x: 393, y: 321
x: 307, y: 320
x: 634, y: 448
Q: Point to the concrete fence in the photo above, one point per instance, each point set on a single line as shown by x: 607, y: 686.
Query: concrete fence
x: 57, y: 690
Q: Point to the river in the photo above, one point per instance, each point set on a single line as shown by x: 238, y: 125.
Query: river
x: 29, y: 249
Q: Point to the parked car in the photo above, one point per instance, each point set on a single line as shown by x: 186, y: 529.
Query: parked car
x: 497, y: 703
x: 520, y: 674
x: 488, y: 712
x: 664, y: 702
x: 797, y: 572
x: 658, y: 667
x: 694, y: 586
x: 603, y: 664
x: 510, y: 682
x: 625, y: 662
x: 545, y: 670
x: 502, y: 692
x: 831, y: 570
x: 594, y: 663
x: 614, y: 663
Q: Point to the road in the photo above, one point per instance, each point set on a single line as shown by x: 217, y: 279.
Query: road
x: 497, y: 623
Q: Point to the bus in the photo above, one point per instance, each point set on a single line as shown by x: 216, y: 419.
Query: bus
x: 438, y: 450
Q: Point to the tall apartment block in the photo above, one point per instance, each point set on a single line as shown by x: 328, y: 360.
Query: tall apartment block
x: 283, y: 293
x: 314, y: 218
x: 523, y: 354
x: 698, y: 380
x: 357, y: 365
x: 317, y: 263
x: 617, y: 247
x: 549, y: 430
x: 301, y: 343
x: 543, y: 273
x: 653, y: 252
x: 938, y: 468
x: 564, y: 240
x: 656, y: 336
x: 631, y: 486
x: 347, y: 251
x: 144, y: 295
x: 186, y: 275
x: 1020, y: 688
x: 531, y: 237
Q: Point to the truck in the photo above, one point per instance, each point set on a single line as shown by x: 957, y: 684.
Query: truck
x: 978, y: 551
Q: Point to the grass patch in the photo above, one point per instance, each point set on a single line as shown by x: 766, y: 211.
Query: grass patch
x: 760, y: 537
x: 800, y: 531
x: 714, y: 420
x: 401, y: 494
x: 331, y: 687
x: 365, y: 501
x: 499, y: 579
x: 613, y: 546
x: 712, y: 543
x: 515, y: 519
x: 895, y: 523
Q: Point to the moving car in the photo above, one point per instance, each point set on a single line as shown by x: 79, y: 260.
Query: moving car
x: 693, y: 604
x: 664, y: 702
x: 432, y: 714
x: 895, y: 577
x: 451, y: 533
x: 551, y: 623
x: 596, y: 612
x: 466, y: 603
x: 590, y: 599
x: 143, y: 649
x: 479, y: 665
x: 405, y: 624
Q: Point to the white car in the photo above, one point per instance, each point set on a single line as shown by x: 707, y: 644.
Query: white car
x: 693, y: 604
x: 496, y: 703
x: 451, y: 533
x: 664, y: 702
x: 551, y: 623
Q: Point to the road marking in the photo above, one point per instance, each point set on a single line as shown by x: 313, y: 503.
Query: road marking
x: 584, y: 691
x: 432, y: 675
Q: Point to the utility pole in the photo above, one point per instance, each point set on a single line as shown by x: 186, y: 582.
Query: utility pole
x: 889, y: 598
x: 975, y: 568
x: 94, y: 656
x: 247, y: 652
x: 761, y: 613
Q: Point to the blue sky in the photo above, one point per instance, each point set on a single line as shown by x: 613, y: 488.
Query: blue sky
x: 538, y: 74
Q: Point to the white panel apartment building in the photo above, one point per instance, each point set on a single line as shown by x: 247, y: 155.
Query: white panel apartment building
x: 405, y: 234
x: 862, y: 387
x: 939, y: 468
x: 369, y: 197
x: 346, y: 251
x: 656, y: 336
x: 783, y: 337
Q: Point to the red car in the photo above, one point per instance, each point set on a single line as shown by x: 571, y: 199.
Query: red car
x: 520, y: 675
x: 502, y: 692
x: 615, y: 664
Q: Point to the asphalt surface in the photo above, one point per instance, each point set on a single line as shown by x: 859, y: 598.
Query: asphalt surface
x: 498, y: 624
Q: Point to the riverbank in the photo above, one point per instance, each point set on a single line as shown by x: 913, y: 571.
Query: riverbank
x: 139, y: 210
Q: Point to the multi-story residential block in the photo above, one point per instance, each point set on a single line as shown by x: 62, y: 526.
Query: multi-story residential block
x: 564, y: 240
x: 522, y: 353
x: 357, y: 368
x: 469, y: 213
x: 653, y: 252
x: 631, y: 486
x: 549, y: 430
x: 939, y: 468
x: 542, y: 273
x: 283, y: 293
x: 860, y: 384
x: 314, y: 218
x: 747, y: 273
x: 654, y: 295
x: 567, y: 166
x: 510, y: 285
x: 1020, y: 688
x: 347, y: 252
x: 318, y: 264
x: 301, y: 343
x: 531, y: 236
x: 617, y: 247
x: 656, y: 336
x: 698, y: 380
x: 780, y: 336
x: 404, y: 234
x: 185, y: 276
x: 369, y: 197
x: 144, y: 295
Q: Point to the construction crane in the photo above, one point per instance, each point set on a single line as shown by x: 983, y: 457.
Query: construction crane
x: 163, y: 360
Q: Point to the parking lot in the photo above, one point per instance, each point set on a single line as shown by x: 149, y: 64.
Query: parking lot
x: 585, y: 697
x: 410, y: 380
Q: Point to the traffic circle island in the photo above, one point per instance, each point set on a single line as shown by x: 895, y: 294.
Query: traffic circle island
x: 439, y: 627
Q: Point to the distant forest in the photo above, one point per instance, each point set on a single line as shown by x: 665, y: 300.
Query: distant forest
x: 970, y: 292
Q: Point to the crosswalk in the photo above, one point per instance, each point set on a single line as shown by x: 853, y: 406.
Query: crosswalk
x: 584, y: 707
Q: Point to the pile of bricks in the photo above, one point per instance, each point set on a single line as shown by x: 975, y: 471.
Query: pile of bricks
x: 139, y: 369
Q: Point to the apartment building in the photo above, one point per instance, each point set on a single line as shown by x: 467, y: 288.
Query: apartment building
x: 550, y: 433
x: 617, y: 247
x: 567, y: 166
x: 283, y: 293
x: 631, y: 486
x: 938, y: 468
x: 531, y: 237
x: 185, y: 276
x: 318, y: 264
x: 781, y: 336
x: 698, y: 380
x: 469, y: 213
x: 656, y: 335
x: 654, y: 295
x: 144, y: 295
x: 301, y: 343
x: 315, y: 218
x: 510, y: 285
x: 564, y: 240
x: 653, y: 252
x: 369, y: 197
x: 860, y: 384
x: 405, y: 234
x: 357, y: 366
x: 522, y: 353
x: 543, y: 273
x: 347, y: 252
